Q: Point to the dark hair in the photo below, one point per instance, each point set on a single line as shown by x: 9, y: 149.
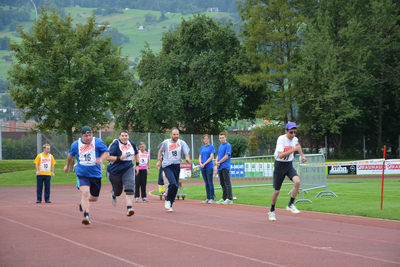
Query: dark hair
x: 222, y: 133
x: 123, y: 131
x: 174, y: 128
x: 206, y: 135
x: 142, y: 143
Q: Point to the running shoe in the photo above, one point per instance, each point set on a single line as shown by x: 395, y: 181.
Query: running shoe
x: 170, y: 209
x: 113, y: 200
x: 130, y: 212
x: 145, y: 200
x: 137, y: 199
x: 226, y: 202
x: 86, y: 220
x: 211, y: 201
x: 219, y: 201
x: 271, y: 216
x: 167, y: 204
x: 292, y: 208
x: 205, y: 201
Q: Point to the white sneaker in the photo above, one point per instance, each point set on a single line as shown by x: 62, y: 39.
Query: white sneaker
x: 211, y: 201
x: 137, y: 199
x: 205, y: 201
x: 113, y: 200
x: 130, y: 212
x: 292, y: 208
x: 167, y: 204
x: 271, y: 216
x: 170, y: 210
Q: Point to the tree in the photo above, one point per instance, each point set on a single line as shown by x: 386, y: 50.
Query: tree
x: 162, y: 17
x: 348, y: 73
x: 270, y: 36
x: 329, y: 72
x: 66, y: 77
x: 191, y: 82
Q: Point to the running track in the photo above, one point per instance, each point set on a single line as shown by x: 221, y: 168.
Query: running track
x: 194, y: 234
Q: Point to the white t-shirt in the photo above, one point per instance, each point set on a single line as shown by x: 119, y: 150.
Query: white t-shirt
x: 284, y: 144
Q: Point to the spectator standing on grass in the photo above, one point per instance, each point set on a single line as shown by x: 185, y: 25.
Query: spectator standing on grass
x: 44, y: 163
x: 121, y: 171
x: 223, y: 162
x: 173, y: 149
x: 91, y: 152
x: 144, y: 169
x: 206, y: 157
x: 286, y: 146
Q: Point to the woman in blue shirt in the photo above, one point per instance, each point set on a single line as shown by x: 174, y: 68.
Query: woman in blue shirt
x: 206, y: 157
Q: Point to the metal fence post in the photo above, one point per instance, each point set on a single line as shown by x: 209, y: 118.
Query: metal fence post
x: 326, y: 147
x: 148, y: 142
x: 192, y: 146
x: 1, y: 144
x: 99, y: 134
x: 39, y: 142
x: 364, y: 145
x: 212, y: 139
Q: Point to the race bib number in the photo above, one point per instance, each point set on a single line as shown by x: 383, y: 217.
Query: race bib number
x: 45, y: 164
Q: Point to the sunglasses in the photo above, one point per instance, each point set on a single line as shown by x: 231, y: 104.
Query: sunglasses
x: 292, y: 132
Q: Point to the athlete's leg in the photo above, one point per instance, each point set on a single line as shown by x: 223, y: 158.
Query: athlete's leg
x: 296, y: 186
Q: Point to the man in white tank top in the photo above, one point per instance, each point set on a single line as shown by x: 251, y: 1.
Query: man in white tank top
x: 286, y: 146
x: 174, y: 149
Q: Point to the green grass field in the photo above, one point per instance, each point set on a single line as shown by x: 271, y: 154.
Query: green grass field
x: 355, y: 196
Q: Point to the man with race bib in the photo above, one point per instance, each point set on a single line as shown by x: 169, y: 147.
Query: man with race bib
x: 120, y: 170
x: 44, y: 163
x: 91, y: 152
x: 173, y: 150
x: 286, y: 146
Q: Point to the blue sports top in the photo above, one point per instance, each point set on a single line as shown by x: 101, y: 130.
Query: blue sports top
x: 205, y: 153
x: 225, y: 149
x: 88, y: 170
x: 116, y: 149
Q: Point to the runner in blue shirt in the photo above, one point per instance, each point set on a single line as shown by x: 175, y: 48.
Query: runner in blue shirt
x: 91, y: 152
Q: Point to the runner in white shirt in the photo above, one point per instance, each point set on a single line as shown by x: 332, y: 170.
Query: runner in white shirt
x: 286, y: 146
x: 173, y: 149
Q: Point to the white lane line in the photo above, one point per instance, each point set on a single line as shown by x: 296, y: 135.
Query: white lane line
x: 245, y: 234
x: 73, y: 242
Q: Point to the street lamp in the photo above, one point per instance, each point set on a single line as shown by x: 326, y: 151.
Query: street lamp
x: 35, y: 8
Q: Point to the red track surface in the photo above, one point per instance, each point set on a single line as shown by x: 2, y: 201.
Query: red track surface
x: 194, y: 234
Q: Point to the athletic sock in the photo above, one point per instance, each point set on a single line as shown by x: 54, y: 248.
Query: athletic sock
x: 291, y: 201
x: 128, y: 207
x: 85, y: 214
x: 272, y: 208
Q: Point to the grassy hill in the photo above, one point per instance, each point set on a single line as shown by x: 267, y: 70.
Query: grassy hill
x: 126, y: 23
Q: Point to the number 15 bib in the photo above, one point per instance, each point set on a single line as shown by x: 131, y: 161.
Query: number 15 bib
x: 87, y: 153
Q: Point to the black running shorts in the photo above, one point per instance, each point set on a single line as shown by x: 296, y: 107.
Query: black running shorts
x: 282, y: 169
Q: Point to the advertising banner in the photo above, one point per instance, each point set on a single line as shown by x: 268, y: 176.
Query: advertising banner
x: 342, y: 170
x: 259, y: 169
x: 237, y: 170
x: 376, y: 168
